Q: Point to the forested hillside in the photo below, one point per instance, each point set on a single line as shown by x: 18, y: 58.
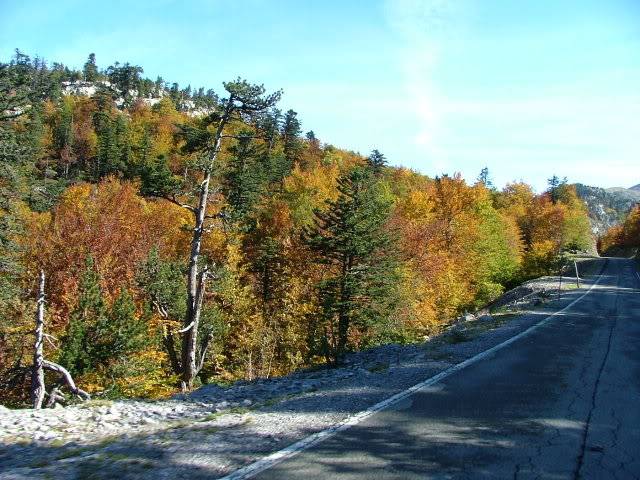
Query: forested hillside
x: 623, y: 239
x: 188, y: 236
x: 608, y: 207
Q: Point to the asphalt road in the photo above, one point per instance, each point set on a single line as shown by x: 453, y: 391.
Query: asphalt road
x: 563, y: 402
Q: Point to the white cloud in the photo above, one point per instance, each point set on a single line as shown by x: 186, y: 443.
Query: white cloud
x: 424, y: 27
x: 578, y: 125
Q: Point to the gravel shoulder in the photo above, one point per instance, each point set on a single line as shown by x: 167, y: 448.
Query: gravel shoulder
x: 216, y: 430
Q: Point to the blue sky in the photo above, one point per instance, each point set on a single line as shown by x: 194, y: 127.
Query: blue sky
x: 528, y: 88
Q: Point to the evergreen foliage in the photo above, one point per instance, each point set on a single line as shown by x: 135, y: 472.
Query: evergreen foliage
x: 377, y: 161
x: 349, y: 238
x: 90, y: 69
x: 98, y: 335
x: 79, y: 347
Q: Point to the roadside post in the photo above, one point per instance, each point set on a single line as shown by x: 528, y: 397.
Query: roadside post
x: 560, y: 280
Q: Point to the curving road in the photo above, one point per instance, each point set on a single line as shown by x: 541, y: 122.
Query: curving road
x: 560, y: 403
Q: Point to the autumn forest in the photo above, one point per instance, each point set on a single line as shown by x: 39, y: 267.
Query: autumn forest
x: 188, y: 236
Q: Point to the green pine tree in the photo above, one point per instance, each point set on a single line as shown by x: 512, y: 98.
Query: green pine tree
x: 292, y: 146
x: 245, y: 178
x: 484, y: 178
x: 114, y: 148
x: 157, y: 180
x: 377, y: 162
x: 163, y: 284
x: 164, y: 288
x: 119, y: 333
x: 78, y: 345
x: 350, y: 238
x: 90, y: 69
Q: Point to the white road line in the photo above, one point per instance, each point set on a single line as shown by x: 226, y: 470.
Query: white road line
x: 275, y: 458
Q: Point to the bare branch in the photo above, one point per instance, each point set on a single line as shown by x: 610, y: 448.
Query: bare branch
x: 162, y: 310
x: 55, y: 396
x: 68, y: 379
x: 203, y: 351
x: 187, y: 328
x: 46, y: 337
x: 175, y: 201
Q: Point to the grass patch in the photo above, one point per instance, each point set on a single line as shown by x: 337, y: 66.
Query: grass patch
x: 497, y: 321
x: 288, y: 396
x: 39, y: 463
x: 116, y: 456
x: 214, y: 415
x: 504, y: 309
x: 272, y: 401
x: 72, y: 452
x: 180, y: 424
x: 107, y: 441
x: 58, y: 442
x: 238, y: 410
x: 208, y: 429
x: 437, y: 355
x: 222, y: 382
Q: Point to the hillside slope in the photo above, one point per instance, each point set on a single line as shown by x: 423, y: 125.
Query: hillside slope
x: 607, y: 207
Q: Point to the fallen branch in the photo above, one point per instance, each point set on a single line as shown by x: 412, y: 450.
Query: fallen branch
x: 68, y: 379
x: 55, y: 396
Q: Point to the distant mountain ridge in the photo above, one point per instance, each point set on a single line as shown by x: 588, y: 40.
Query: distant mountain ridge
x: 607, y: 206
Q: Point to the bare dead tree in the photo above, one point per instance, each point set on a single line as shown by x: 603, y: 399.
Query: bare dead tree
x: 38, y: 389
x: 37, y: 373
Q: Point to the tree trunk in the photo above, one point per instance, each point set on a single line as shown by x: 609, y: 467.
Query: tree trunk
x: 343, y: 313
x: 37, y: 374
x: 196, y: 279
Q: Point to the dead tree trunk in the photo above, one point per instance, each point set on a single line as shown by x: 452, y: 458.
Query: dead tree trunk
x: 244, y: 99
x: 37, y: 373
x: 39, y: 363
x: 197, y: 279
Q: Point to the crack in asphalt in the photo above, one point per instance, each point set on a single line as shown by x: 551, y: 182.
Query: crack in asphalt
x: 585, y: 433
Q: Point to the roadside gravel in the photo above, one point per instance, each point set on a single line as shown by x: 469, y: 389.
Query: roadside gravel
x: 216, y: 430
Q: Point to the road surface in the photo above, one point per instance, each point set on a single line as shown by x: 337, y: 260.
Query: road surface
x: 561, y: 403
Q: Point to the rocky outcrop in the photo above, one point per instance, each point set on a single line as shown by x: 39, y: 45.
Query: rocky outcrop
x: 607, y: 207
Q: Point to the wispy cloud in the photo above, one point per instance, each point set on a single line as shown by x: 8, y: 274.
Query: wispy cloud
x: 523, y: 102
x: 423, y: 26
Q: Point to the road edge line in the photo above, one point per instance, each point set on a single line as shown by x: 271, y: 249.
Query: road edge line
x: 259, y: 466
